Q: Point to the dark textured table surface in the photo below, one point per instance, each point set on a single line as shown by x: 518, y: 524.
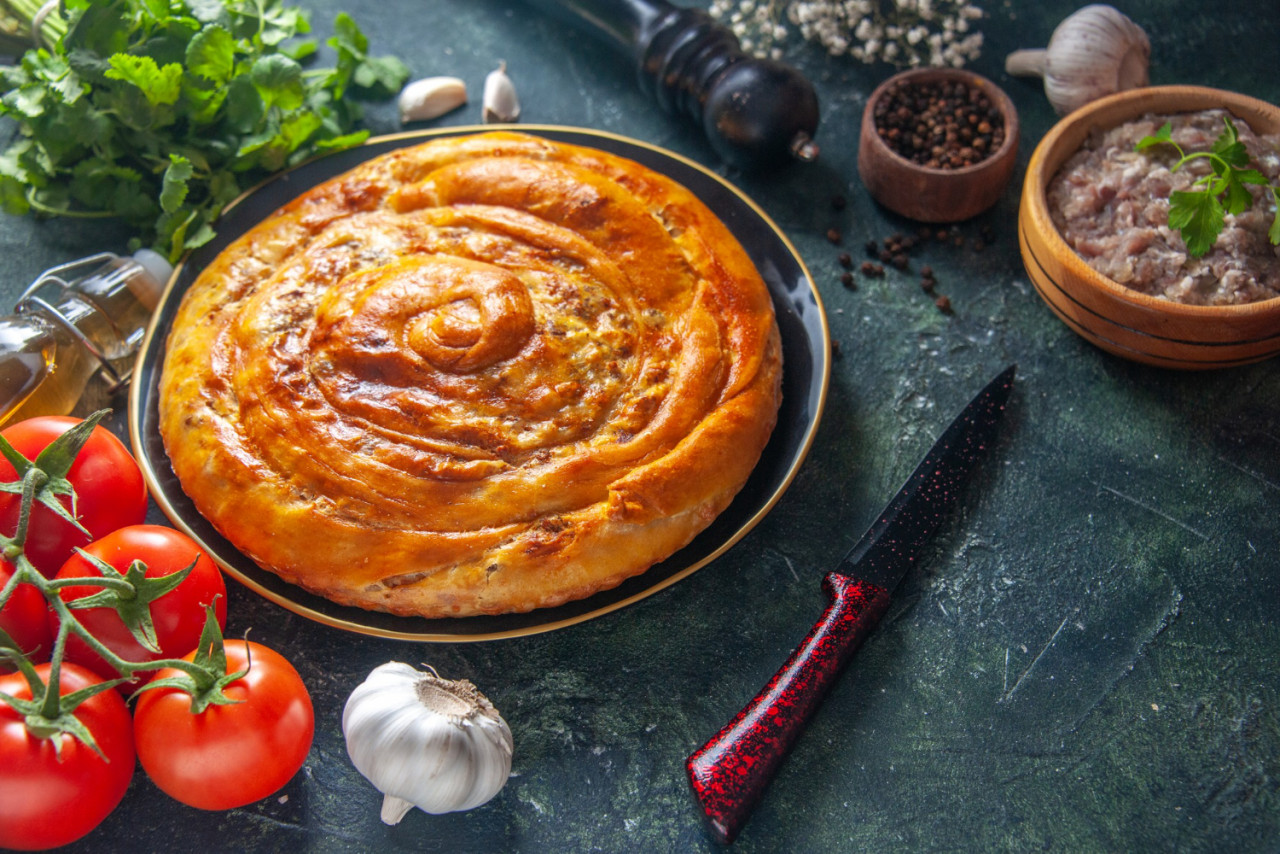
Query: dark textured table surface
x: 1086, y: 661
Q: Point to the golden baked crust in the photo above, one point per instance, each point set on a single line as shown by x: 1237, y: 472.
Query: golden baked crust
x: 481, y: 375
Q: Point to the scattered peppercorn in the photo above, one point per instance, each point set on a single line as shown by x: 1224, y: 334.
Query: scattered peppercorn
x: 838, y: 203
x: 895, y: 250
x: 927, y: 280
x: 833, y: 234
x: 835, y: 349
x: 939, y: 124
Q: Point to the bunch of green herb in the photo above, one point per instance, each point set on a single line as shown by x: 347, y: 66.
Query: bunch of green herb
x: 1200, y: 213
x: 160, y: 113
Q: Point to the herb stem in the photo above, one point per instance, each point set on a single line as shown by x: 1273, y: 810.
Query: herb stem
x: 16, y: 19
x: 73, y: 213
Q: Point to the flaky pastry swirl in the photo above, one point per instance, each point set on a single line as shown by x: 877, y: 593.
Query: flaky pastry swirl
x: 480, y: 375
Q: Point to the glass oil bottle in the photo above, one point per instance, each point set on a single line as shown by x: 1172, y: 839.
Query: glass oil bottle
x: 77, y: 320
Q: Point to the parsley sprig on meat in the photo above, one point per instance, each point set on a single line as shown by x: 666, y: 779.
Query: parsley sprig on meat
x: 161, y: 113
x: 1200, y: 213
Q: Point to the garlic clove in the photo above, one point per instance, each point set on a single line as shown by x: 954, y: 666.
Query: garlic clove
x: 426, y: 742
x: 500, y: 102
x: 1095, y: 51
x: 431, y: 97
x: 394, y: 809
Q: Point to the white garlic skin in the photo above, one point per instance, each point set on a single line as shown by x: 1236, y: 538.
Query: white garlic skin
x: 431, y: 97
x: 426, y: 742
x: 1095, y: 51
x: 500, y: 103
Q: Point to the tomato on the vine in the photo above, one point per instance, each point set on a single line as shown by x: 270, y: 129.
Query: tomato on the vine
x: 23, y: 618
x: 54, y: 790
x: 110, y: 492
x: 177, y: 616
x: 227, y: 756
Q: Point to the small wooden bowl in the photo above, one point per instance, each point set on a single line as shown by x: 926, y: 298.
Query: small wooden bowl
x: 1117, y: 319
x: 936, y: 195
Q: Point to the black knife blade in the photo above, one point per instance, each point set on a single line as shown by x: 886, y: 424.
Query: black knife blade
x: 731, y: 771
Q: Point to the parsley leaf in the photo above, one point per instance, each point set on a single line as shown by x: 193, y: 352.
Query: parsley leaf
x: 160, y: 86
x: 1199, y: 217
x: 1200, y: 214
x: 159, y: 113
x: 211, y: 54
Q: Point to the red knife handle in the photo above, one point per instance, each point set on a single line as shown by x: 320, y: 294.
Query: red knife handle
x: 731, y: 771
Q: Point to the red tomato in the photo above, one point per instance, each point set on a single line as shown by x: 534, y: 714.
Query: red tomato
x: 227, y: 756
x: 53, y: 797
x: 23, y: 617
x: 110, y: 492
x: 178, y: 616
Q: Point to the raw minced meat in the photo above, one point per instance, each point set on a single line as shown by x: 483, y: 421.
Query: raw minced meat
x: 1111, y: 205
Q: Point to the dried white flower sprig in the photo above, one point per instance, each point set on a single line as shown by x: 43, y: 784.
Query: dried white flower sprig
x: 905, y: 33
x: 758, y: 24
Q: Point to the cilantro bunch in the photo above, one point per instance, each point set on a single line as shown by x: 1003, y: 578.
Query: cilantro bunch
x: 1199, y: 214
x: 161, y: 113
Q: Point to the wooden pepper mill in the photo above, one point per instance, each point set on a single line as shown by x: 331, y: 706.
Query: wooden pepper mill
x: 756, y: 113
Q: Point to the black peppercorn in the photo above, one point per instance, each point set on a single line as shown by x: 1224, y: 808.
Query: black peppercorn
x: 939, y: 125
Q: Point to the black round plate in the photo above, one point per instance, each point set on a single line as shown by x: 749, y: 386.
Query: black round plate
x: 806, y: 370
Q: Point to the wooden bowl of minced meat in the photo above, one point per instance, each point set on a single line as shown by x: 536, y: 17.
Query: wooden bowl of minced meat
x: 1095, y: 234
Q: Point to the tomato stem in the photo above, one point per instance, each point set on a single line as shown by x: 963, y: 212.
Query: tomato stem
x: 44, y: 480
x: 32, y: 480
x: 9, y: 586
x: 51, y: 707
x: 68, y: 625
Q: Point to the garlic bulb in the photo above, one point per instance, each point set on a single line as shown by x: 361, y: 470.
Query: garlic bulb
x: 500, y: 102
x: 426, y: 742
x: 431, y: 97
x: 1095, y: 51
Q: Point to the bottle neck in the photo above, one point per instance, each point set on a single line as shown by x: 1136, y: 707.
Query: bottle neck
x: 105, y: 300
x: 75, y: 321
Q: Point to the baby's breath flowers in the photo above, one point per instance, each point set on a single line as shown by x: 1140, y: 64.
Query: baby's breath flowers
x: 905, y: 33
x: 758, y: 24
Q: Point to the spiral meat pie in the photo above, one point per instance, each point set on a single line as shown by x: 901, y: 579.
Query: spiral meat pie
x: 480, y: 375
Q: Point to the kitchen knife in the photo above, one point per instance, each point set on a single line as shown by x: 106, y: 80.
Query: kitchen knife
x: 730, y: 772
